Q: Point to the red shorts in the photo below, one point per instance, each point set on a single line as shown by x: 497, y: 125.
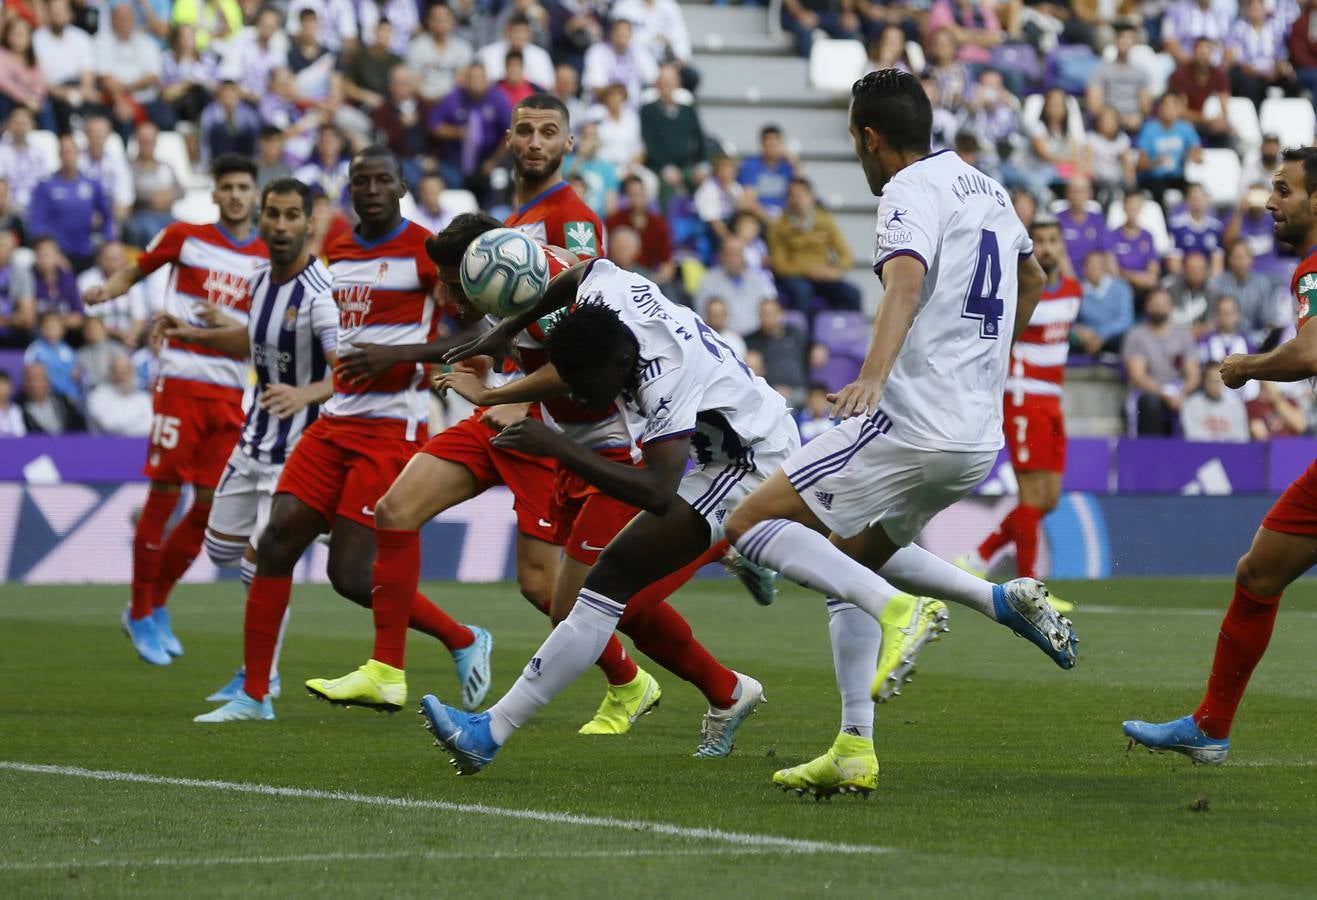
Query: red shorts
x: 1035, y: 434
x: 342, y: 466
x: 192, y: 434
x: 585, y: 517
x: 1295, y: 512
x: 530, y: 478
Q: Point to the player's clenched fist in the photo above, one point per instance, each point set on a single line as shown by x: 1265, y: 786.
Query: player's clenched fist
x: 1232, y: 370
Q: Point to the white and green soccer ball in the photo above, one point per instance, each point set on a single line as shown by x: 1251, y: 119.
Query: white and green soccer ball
x: 504, y: 272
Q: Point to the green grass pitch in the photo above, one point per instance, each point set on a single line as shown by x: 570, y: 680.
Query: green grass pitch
x: 1001, y: 774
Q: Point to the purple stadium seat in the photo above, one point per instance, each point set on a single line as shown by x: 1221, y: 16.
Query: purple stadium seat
x: 843, y: 333
x: 1069, y: 67
x: 836, y: 373
x: 1021, y: 60
x: 11, y: 361
x: 794, y: 318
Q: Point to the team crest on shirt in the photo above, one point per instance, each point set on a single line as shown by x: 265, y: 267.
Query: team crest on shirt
x: 290, y: 319
x: 581, y: 238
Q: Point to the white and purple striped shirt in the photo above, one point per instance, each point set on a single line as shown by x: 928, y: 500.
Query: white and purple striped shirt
x: 292, y: 327
x: 1260, y: 48
x: 1186, y: 21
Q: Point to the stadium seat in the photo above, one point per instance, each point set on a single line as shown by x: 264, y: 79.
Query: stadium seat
x: 681, y: 95
x: 1019, y: 59
x: 11, y: 361
x: 835, y: 64
x: 1243, y: 118
x: 459, y: 201
x: 843, y: 333
x: 1218, y: 173
x: 196, y: 207
x: 171, y: 149
x: 794, y: 318
x: 48, y: 143
x: 836, y: 373
x: 914, y: 54
x: 1151, y: 219
x: 1069, y: 67
x: 1291, y: 118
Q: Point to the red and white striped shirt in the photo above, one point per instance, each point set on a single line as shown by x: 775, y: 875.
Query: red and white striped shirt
x: 383, y: 292
x: 1039, y: 355
x: 209, y: 266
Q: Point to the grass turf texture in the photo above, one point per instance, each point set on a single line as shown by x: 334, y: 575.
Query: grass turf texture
x: 1001, y: 774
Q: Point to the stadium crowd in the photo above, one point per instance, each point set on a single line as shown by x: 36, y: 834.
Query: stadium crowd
x: 1062, y: 102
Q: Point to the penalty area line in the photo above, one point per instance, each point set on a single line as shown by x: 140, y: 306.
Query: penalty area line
x: 545, y: 817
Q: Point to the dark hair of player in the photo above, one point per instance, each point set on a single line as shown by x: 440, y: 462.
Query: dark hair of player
x: 448, y: 246
x: 231, y: 163
x: 588, y: 336
x: 894, y: 105
x: 376, y: 151
x: 770, y: 129
x: 290, y: 186
x: 545, y: 101
x: 1308, y: 157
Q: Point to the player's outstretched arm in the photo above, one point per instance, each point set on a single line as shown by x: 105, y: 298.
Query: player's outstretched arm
x: 1032, y: 280
x: 903, y: 281
x: 232, y: 339
x: 367, y: 361
x: 1292, y: 361
x: 651, y: 487
x: 116, y: 286
x: 496, y: 342
x: 542, y: 384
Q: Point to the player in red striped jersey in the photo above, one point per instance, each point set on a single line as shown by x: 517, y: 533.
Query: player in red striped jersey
x: 382, y: 284
x: 1285, y: 547
x: 198, y: 396
x: 1035, y: 424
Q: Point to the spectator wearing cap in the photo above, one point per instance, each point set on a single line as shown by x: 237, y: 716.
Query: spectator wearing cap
x: 537, y: 63
x: 69, y: 207
x: 228, y: 125
x: 44, y: 410
x: 655, y: 233
x: 802, y: 18
x: 23, y: 164
x: 467, y: 129
x: 1165, y: 143
x: 1197, y: 229
x: 1198, y: 79
x: 1132, y: 245
x: 672, y: 134
x: 810, y: 256
x: 437, y: 54
x: 1257, y: 53
x: 1121, y: 85
x: 619, y: 60
x: 1188, y: 20
x: 1252, y: 291
x: 1302, y: 43
x: 1083, y: 226
x: 1161, y: 362
x: 1107, y: 310
x: 741, y: 288
x: 769, y: 173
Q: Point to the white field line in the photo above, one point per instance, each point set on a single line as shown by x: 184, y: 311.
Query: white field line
x: 1082, y: 609
x: 428, y: 855
x: 731, y: 838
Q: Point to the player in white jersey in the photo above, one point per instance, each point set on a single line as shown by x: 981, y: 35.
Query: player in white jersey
x: 923, y: 418
x: 291, y: 336
x: 700, y: 404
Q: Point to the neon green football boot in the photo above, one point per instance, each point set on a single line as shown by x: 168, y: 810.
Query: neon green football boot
x: 909, y: 623
x: 849, y: 767
x: 624, y: 704
x: 375, y: 685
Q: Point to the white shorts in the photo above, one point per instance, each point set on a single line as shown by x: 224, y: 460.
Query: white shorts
x: 244, y: 496
x: 854, y: 476
x: 714, y: 487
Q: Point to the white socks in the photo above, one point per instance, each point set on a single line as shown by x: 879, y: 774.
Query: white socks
x: 224, y: 554
x: 279, y: 643
x: 809, y: 559
x: 855, y: 638
x: 570, y: 649
x: 916, y: 571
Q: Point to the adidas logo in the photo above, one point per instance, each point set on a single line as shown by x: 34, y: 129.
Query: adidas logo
x: 533, y: 667
x: 824, y: 498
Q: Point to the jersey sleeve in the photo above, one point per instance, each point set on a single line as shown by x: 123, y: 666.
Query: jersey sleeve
x: 324, y: 320
x: 907, y: 226
x: 164, y: 248
x: 669, y: 400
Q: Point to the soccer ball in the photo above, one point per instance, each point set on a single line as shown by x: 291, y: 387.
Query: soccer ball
x: 504, y: 272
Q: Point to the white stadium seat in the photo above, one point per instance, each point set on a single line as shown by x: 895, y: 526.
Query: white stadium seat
x: 1151, y: 220
x: 459, y: 201
x: 171, y: 148
x: 1218, y: 173
x: 1291, y: 118
x: 196, y: 207
x: 48, y: 143
x: 1242, y: 116
x: 914, y: 54
x: 834, y: 65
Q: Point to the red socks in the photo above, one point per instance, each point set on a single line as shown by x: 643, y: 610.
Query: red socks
x: 395, y: 602
x: 267, y: 599
x: 430, y: 619
x: 618, y: 667
x: 1245, y: 633
x: 1020, y: 527
x: 181, y: 548
x: 146, y: 548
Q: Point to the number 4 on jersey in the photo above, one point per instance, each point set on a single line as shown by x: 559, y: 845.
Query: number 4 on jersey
x: 982, y: 302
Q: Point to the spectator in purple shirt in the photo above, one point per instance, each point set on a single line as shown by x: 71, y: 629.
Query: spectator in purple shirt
x: 57, y: 288
x: 1252, y: 224
x: 1259, y: 57
x: 1083, y: 227
x: 467, y: 127
x: 1137, y: 259
x: 1197, y: 229
x: 69, y: 207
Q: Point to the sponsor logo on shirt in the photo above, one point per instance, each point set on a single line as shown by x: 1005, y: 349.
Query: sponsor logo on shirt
x: 581, y: 238
x: 354, y: 301
x: 225, y: 288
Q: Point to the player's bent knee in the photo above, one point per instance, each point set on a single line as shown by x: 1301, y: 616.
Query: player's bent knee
x: 224, y: 551
x: 1256, y: 579
x: 350, y: 583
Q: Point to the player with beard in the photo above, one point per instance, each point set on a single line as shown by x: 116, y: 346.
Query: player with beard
x: 1285, y: 547
x: 198, y: 396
